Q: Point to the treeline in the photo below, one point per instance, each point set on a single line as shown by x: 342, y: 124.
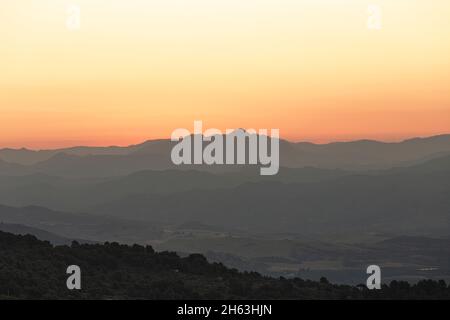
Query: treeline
x: 34, y: 269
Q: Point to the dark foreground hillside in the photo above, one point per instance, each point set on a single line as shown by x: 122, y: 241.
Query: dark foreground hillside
x: 33, y: 269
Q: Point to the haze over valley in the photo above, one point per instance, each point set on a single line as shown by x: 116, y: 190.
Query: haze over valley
x: 330, y: 211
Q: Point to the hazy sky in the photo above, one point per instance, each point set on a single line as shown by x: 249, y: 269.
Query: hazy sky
x: 138, y: 69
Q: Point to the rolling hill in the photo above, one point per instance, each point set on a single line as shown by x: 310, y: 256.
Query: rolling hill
x: 404, y: 201
x: 113, y: 271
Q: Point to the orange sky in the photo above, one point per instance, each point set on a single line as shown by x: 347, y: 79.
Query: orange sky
x: 139, y: 69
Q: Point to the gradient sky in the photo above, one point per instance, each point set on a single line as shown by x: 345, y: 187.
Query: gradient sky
x: 138, y: 69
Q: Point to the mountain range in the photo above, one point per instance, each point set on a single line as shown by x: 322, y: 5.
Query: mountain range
x: 327, y: 211
x: 155, y: 155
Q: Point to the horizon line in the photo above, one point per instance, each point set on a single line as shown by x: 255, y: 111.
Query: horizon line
x: 281, y: 139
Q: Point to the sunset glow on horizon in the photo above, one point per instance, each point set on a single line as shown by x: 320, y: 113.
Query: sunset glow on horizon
x: 137, y: 70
